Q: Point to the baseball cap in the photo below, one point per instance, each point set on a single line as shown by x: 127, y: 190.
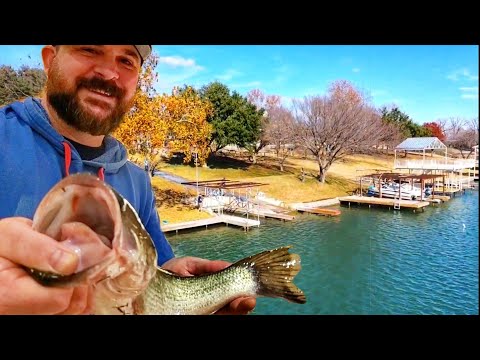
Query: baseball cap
x: 144, y: 51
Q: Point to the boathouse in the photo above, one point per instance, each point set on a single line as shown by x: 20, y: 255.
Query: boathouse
x: 434, y: 160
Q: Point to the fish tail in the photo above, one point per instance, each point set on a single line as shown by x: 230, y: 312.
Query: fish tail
x: 274, y: 271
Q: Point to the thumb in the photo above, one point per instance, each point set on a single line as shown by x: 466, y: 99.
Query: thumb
x: 22, y: 245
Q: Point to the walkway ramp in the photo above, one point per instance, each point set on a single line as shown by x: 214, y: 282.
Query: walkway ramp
x: 227, y: 219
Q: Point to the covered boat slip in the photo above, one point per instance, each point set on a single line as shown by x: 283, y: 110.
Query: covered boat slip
x: 460, y: 172
x: 402, y: 186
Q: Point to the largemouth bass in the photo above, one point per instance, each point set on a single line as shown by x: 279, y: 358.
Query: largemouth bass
x: 118, y: 257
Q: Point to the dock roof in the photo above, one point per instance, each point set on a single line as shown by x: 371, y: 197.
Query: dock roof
x: 421, y: 143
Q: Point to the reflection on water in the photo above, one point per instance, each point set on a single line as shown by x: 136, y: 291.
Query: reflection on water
x: 366, y: 261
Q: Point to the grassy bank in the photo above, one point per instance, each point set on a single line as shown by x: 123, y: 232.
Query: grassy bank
x: 285, y: 186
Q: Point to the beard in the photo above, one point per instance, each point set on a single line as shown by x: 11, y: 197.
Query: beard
x: 69, y: 108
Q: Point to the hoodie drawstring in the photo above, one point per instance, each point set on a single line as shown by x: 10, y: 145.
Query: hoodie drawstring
x: 100, y: 174
x: 68, y: 157
x: 68, y: 160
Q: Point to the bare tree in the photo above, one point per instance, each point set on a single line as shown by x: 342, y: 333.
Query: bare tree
x: 462, y: 134
x: 454, y: 126
x: 467, y: 138
x: 281, y: 133
x: 390, y: 136
x: 266, y: 102
x: 336, y: 125
x: 443, y: 124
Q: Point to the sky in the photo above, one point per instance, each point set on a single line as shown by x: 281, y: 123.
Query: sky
x: 426, y: 82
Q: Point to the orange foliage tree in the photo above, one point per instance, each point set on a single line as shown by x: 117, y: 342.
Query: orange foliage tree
x: 142, y: 130
x: 176, y: 122
x: 185, y: 114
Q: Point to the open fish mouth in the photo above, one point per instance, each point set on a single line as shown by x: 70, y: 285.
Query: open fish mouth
x: 85, y: 215
x: 77, y: 206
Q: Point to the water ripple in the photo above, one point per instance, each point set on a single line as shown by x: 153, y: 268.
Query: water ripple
x: 367, y: 261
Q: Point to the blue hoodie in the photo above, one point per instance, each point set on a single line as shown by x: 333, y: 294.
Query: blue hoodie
x: 34, y: 157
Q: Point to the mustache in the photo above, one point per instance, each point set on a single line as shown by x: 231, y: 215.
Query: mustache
x: 100, y: 84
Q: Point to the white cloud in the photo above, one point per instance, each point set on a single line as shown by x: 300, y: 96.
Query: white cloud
x: 470, y: 96
x: 469, y: 89
x: 469, y: 92
x: 462, y: 74
x: 356, y: 70
x: 178, y: 61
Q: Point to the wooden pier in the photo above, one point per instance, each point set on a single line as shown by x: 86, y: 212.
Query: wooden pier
x: 441, y: 197
x: 447, y: 192
x: 320, y: 211
x: 227, y: 219
x: 266, y: 214
x: 385, y: 202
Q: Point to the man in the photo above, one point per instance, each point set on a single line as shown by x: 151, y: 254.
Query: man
x: 89, y: 89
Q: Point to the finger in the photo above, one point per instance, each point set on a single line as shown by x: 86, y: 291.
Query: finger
x: 21, y: 294
x: 22, y: 245
x: 25, y: 221
x: 78, y: 301
x: 239, y: 306
x: 201, y: 266
x: 90, y: 301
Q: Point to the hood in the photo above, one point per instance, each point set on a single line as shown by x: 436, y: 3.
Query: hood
x: 33, y: 113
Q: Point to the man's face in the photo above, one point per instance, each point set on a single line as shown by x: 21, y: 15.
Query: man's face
x: 91, y: 87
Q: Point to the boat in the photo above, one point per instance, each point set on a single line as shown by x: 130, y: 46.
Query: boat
x: 394, y: 190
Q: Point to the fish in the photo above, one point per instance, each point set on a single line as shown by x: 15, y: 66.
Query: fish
x: 119, y: 260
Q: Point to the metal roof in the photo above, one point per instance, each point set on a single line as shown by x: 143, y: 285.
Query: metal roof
x: 421, y: 143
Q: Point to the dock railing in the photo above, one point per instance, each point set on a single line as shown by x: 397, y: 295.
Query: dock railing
x: 431, y: 164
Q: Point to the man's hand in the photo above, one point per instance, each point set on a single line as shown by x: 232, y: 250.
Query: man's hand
x: 189, y: 265
x: 20, y: 247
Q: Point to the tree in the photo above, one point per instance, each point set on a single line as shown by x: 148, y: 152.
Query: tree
x: 17, y: 85
x: 185, y: 114
x: 282, y: 133
x: 405, y: 124
x: 234, y: 119
x: 268, y: 103
x: 142, y: 130
x: 435, y: 129
x: 157, y: 122
x: 337, y: 124
x: 417, y: 130
x: 390, y: 136
x: 463, y: 135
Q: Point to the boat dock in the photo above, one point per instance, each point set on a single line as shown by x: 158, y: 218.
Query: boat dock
x: 442, y: 198
x: 227, y: 219
x: 320, y: 211
x: 447, y: 192
x: 386, y: 202
x: 266, y: 213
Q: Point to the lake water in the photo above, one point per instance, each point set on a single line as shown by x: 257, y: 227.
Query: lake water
x: 366, y: 261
